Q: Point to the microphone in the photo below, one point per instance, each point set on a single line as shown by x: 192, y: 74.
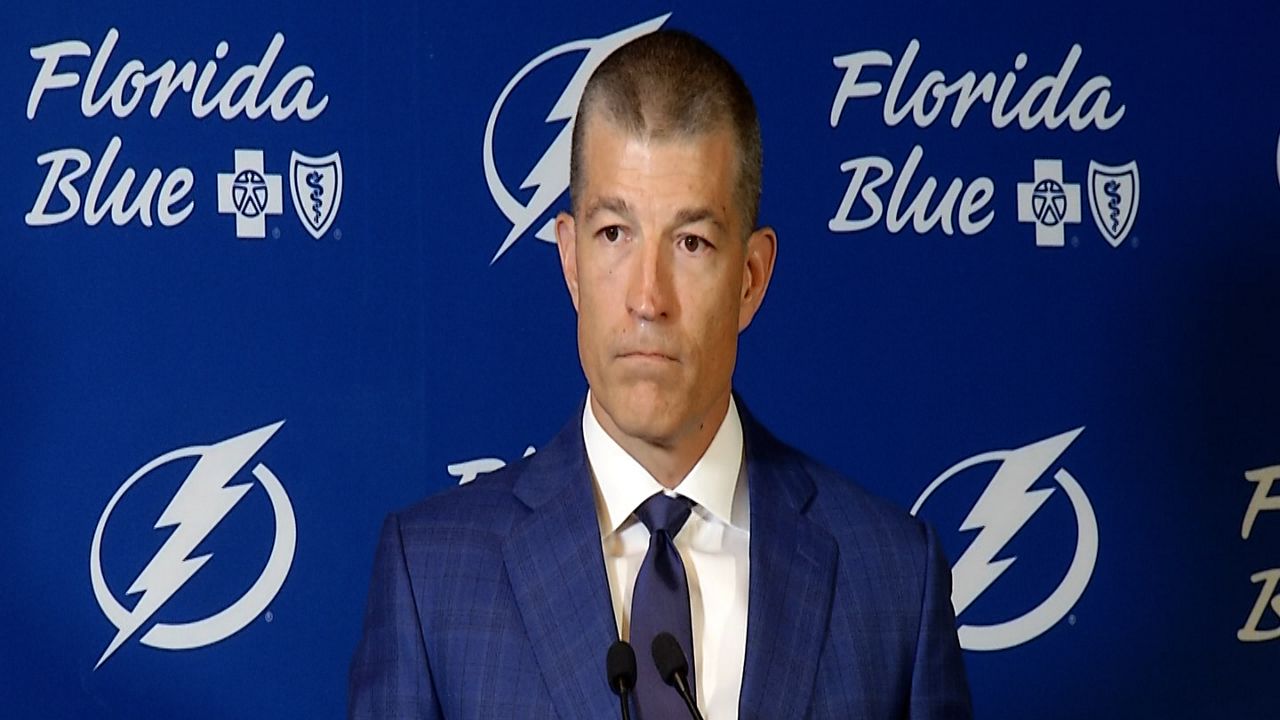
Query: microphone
x: 620, y: 664
x: 674, y: 668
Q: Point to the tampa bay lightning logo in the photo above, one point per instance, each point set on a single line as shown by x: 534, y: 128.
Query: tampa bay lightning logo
x: 203, y: 500
x: 1004, y: 508
x: 1113, y: 198
x: 316, y: 183
x: 549, y: 177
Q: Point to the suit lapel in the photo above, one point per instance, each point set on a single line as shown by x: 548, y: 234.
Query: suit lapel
x: 556, y: 568
x: 792, y: 582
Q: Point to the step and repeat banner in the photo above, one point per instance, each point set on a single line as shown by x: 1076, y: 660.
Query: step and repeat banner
x: 270, y: 271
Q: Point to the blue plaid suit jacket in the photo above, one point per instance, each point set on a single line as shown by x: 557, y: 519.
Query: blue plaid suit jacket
x: 490, y: 600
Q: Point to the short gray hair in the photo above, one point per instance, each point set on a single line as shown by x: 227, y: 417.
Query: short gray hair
x: 671, y: 84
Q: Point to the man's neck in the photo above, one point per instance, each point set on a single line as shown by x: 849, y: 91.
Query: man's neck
x: 669, y: 461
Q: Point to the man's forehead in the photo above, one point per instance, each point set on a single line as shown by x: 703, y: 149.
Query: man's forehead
x: 615, y: 162
x: 598, y: 127
x: 613, y: 156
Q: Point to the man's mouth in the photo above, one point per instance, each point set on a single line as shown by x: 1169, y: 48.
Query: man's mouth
x: 649, y: 355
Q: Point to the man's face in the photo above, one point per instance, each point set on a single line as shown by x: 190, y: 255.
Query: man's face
x: 661, y: 277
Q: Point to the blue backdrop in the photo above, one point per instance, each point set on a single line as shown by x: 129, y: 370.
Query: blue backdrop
x: 998, y: 224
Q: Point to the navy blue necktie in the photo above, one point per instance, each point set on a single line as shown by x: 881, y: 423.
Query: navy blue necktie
x: 659, y: 604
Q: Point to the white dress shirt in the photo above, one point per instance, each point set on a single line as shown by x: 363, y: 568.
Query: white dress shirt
x: 713, y: 544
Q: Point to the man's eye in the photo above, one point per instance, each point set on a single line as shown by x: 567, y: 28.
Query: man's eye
x: 693, y: 243
x: 612, y: 233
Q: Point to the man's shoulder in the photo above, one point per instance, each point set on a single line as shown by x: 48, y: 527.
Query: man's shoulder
x: 486, y: 505
x: 496, y: 500
x: 877, y: 537
x: 840, y: 498
x: 851, y: 513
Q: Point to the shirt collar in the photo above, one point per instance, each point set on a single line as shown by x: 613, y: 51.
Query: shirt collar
x: 622, y: 483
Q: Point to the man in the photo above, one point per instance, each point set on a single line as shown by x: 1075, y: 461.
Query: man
x: 664, y: 506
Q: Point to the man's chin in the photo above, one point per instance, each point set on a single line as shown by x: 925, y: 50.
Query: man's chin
x: 642, y: 416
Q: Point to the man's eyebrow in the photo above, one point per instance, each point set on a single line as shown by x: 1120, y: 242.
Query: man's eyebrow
x: 686, y: 216
x: 689, y: 216
x: 615, y: 205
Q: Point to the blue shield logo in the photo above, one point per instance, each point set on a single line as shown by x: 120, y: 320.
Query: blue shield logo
x: 316, y: 183
x: 1113, y: 198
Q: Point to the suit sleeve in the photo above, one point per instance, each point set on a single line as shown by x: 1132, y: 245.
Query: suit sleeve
x: 939, y: 688
x: 390, y: 674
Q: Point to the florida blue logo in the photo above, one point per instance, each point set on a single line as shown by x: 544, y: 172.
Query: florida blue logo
x: 1050, y: 202
x: 250, y: 193
x: 316, y: 184
x: 1113, y: 199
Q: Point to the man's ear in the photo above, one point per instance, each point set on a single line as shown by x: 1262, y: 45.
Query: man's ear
x: 566, y: 243
x: 762, y: 250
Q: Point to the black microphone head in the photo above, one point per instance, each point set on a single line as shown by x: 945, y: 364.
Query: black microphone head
x: 620, y: 664
x: 669, y: 658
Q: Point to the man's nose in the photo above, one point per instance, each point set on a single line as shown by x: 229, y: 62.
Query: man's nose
x: 649, y: 281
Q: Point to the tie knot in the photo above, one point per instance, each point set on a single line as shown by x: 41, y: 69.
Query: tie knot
x: 662, y: 512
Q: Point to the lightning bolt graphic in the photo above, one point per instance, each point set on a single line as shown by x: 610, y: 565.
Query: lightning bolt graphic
x: 1004, y: 507
x: 550, y: 175
x: 202, y: 501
